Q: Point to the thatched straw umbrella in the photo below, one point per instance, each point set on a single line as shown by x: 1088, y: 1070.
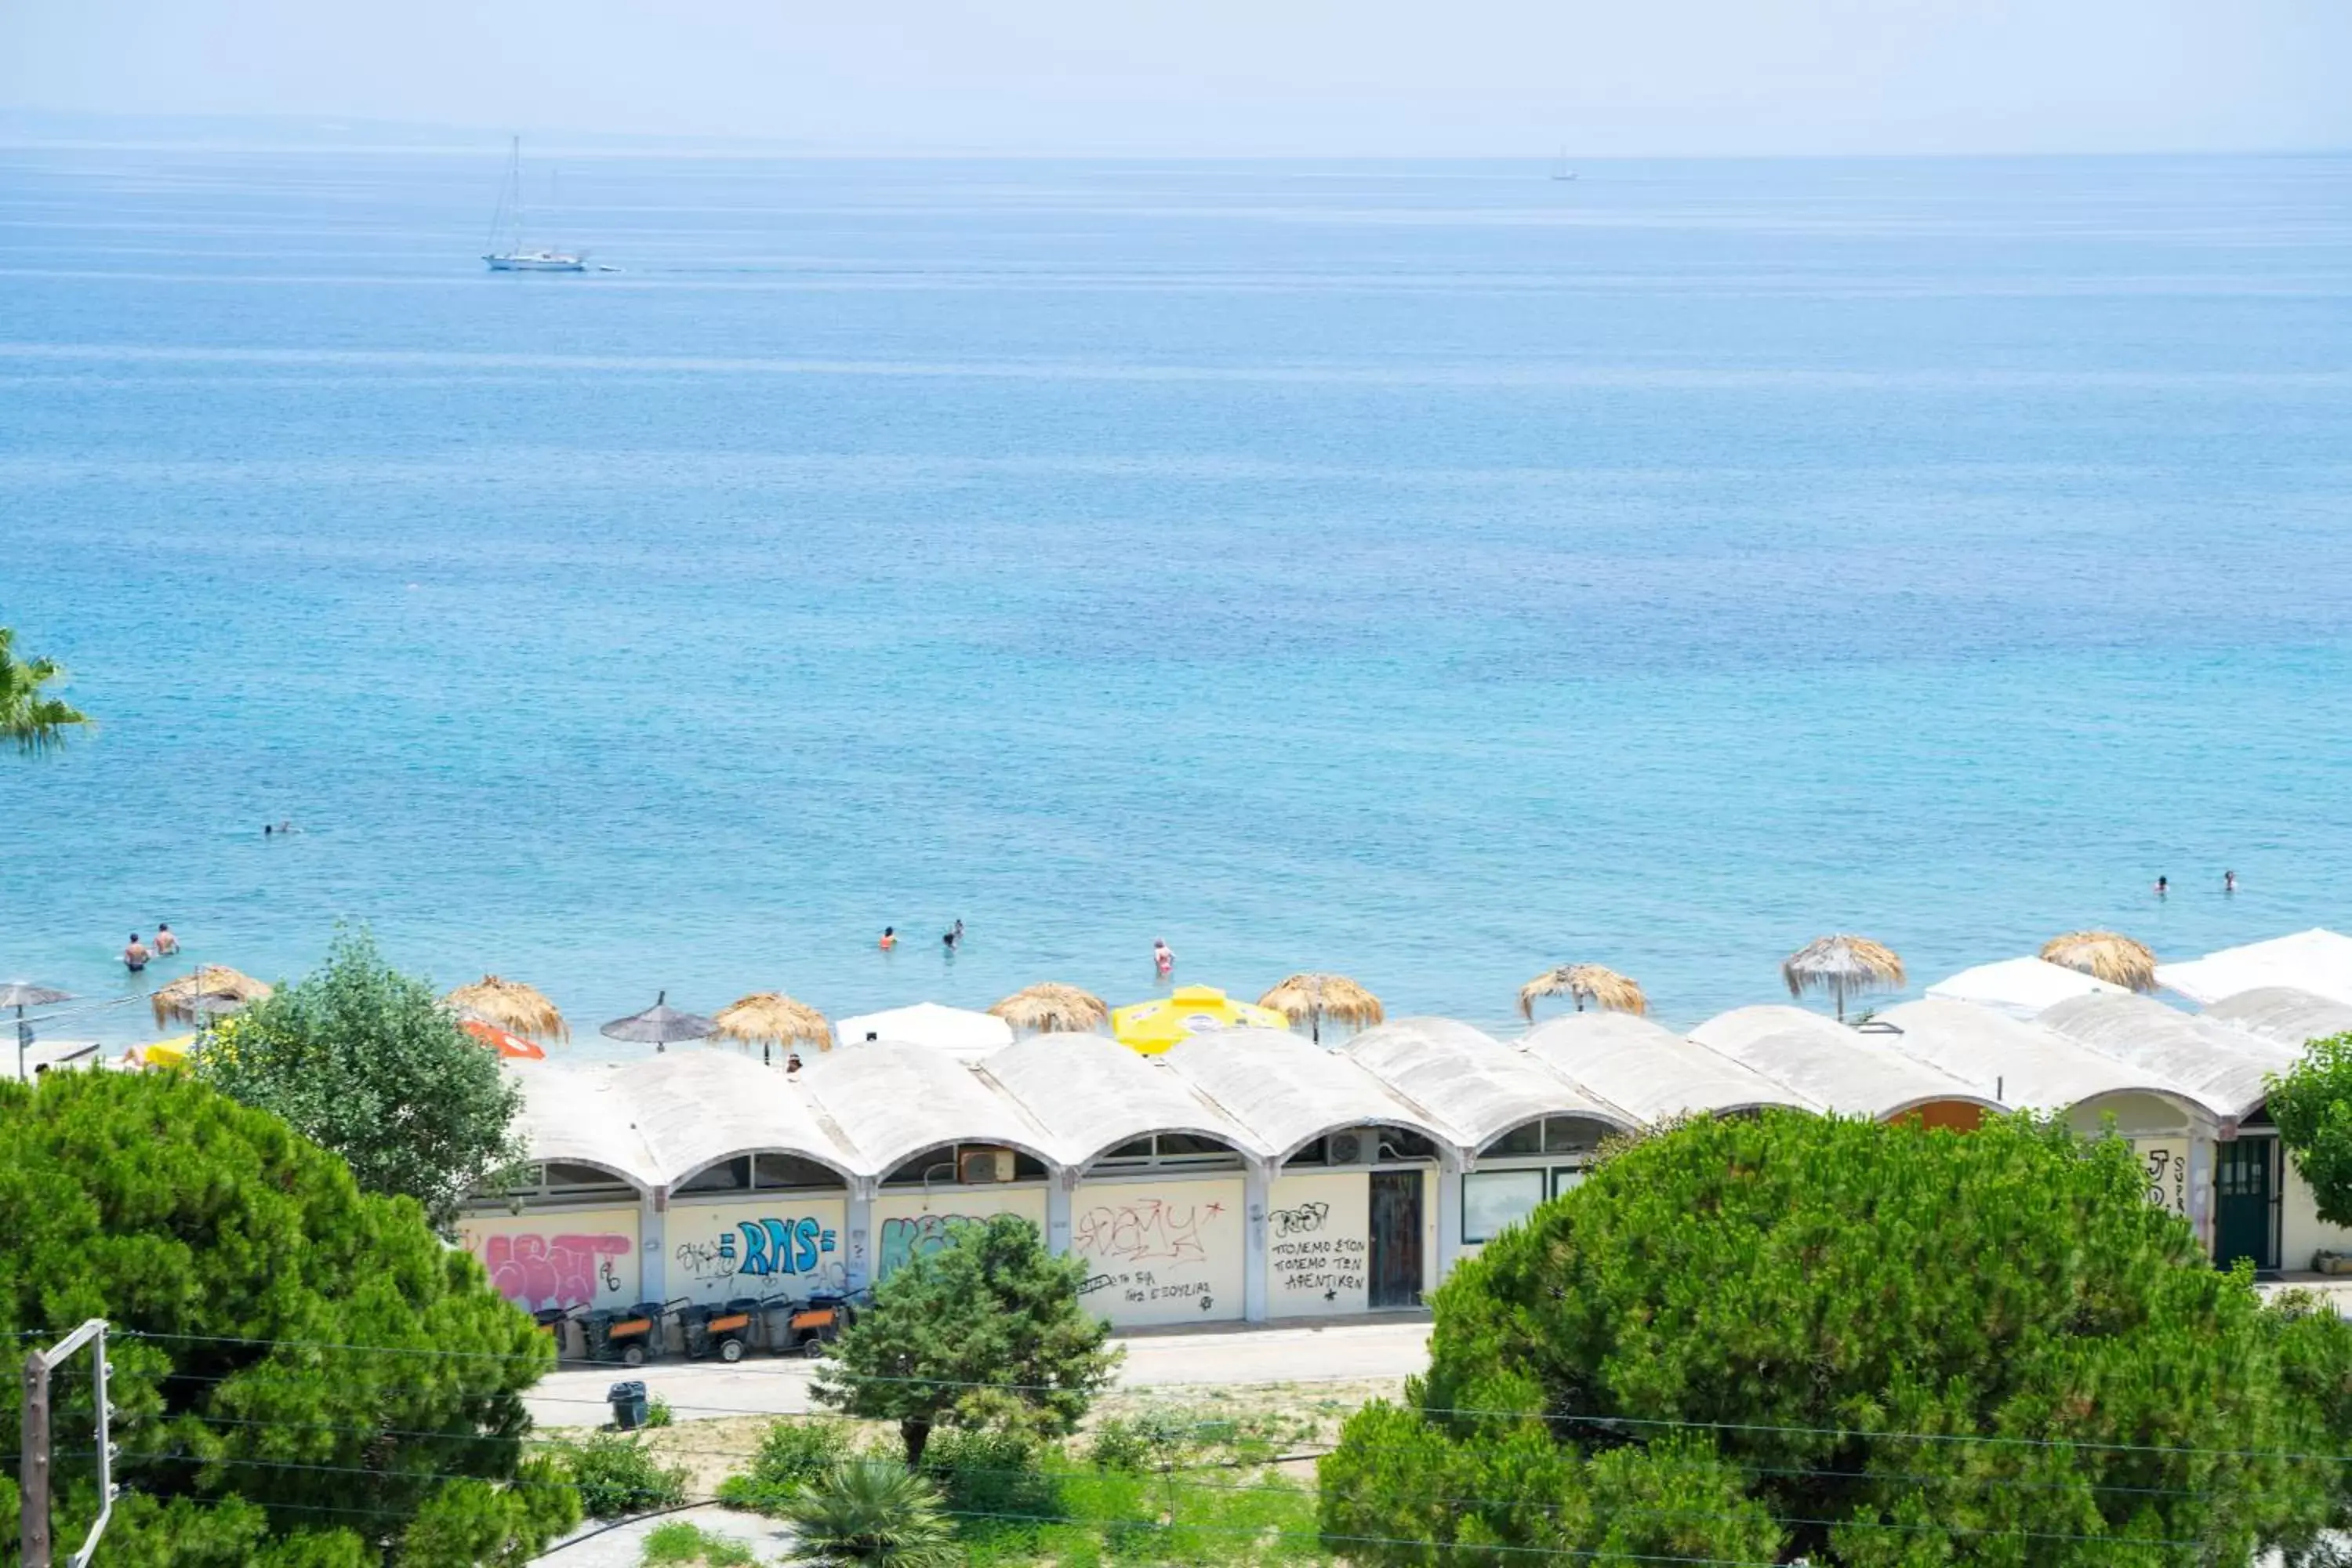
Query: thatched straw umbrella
x: 1310, y: 998
x: 510, y: 1004
x: 772, y: 1018
x: 210, y: 990
x: 2104, y: 955
x: 1842, y: 965
x: 1603, y: 987
x: 1050, y: 1007
x: 660, y: 1024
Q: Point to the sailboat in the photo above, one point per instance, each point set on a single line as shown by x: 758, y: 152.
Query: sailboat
x: 1559, y: 168
x: 507, y: 252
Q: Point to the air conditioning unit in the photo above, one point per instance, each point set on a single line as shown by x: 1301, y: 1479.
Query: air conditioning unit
x: 1356, y: 1146
x: 977, y: 1167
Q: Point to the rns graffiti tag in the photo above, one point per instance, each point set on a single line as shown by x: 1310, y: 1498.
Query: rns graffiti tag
x: 1304, y: 1220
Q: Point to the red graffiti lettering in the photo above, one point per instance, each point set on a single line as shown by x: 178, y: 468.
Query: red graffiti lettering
x: 552, y: 1270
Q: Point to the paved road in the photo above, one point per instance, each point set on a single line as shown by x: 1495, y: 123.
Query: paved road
x: 763, y: 1385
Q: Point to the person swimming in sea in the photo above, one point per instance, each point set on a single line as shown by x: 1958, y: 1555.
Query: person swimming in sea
x: 954, y: 937
x: 166, y: 945
x: 2229, y: 881
x: 1164, y: 957
x: 889, y: 938
x: 135, y: 956
x: 2163, y: 886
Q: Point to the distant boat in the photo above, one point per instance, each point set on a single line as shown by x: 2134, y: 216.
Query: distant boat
x: 1559, y: 168
x: 508, y: 253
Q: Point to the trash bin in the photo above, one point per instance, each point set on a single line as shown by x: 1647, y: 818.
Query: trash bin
x: 628, y: 1404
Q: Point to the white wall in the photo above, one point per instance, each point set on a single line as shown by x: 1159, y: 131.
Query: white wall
x: 1160, y: 1248
x: 754, y: 1244
x: 1318, y: 1244
x: 2300, y: 1230
x: 909, y: 1222
x: 558, y: 1257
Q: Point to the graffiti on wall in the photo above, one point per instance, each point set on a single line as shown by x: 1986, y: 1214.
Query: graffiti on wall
x: 1319, y: 1256
x: 917, y: 1235
x: 1304, y: 1220
x: 1159, y: 1260
x: 763, y: 1248
x: 2164, y: 1167
x: 1143, y: 1231
x: 561, y: 1270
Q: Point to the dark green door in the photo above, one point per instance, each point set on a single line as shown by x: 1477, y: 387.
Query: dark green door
x: 2245, y: 1208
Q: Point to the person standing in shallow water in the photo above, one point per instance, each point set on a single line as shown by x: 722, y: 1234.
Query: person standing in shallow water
x: 2163, y: 886
x: 135, y: 956
x: 2229, y: 881
x: 1164, y: 957
x: 889, y: 938
x: 166, y: 945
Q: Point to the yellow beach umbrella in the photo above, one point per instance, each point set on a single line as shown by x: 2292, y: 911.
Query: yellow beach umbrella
x: 1152, y: 1027
x: 171, y: 1053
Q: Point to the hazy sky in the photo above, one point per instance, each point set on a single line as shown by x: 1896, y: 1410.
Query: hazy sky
x: 1234, y: 76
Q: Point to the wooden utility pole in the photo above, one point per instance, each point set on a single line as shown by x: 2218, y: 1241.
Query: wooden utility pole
x: 33, y: 1472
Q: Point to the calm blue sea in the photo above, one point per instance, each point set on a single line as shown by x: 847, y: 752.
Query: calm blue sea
x: 1430, y: 571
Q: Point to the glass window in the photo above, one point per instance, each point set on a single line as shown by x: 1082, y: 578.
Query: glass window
x: 1566, y: 1179
x: 1528, y: 1140
x: 787, y: 1171
x: 1568, y: 1135
x: 1138, y: 1152
x: 1494, y: 1199
x: 727, y: 1177
x: 1183, y: 1144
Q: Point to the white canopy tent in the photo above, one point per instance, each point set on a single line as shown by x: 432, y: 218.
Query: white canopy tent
x: 2319, y: 961
x: 955, y: 1030
x: 2020, y: 987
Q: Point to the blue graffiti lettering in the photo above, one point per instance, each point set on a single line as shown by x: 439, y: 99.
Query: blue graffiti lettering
x: 785, y: 1247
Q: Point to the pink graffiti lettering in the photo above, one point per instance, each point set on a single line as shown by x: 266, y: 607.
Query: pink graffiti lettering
x: 1144, y: 1231
x: 552, y: 1270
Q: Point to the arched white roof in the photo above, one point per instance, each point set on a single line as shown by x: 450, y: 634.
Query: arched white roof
x: 2283, y: 1015
x: 1653, y: 1073
x: 1830, y: 1063
x: 2019, y: 986
x: 893, y: 1100
x: 2224, y: 1067
x: 2319, y: 961
x: 2014, y: 1061
x: 697, y: 1107
x: 579, y: 1115
x: 1470, y: 1081
x: 1289, y: 1091
x: 1092, y: 1094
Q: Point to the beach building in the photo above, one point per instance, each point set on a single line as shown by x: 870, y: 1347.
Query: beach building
x: 1847, y: 1069
x: 1523, y: 1134
x: 2319, y: 961
x: 2021, y: 987
x: 1248, y: 1173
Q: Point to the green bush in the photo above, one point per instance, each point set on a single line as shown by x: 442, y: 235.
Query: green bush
x: 1863, y: 1345
x: 301, y: 1371
x: 2313, y: 1108
x: 797, y: 1450
x: 616, y: 1475
x: 990, y: 1471
x: 875, y: 1513
x: 681, y: 1544
x: 658, y: 1413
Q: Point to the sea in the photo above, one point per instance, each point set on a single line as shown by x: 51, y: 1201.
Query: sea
x: 1428, y: 571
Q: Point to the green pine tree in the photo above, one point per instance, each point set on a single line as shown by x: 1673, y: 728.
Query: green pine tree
x: 986, y: 1330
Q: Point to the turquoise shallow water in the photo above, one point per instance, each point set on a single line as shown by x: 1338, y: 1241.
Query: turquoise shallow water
x: 1428, y: 571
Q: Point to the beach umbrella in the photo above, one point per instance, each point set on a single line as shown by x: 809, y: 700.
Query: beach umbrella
x: 660, y: 1024
x: 21, y: 994
x: 2104, y: 955
x: 1603, y: 987
x: 211, y: 990
x: 511, y: 1005
x: 1050, y: 1007
x: 506, y: 1042
x: 1842, y: 965
x: 1152, y: 1027
x: 958, y: 1031
x: 1309, y: 998
x: 772, y: 1018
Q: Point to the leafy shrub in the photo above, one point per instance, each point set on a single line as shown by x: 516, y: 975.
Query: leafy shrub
x: 617, y: 1476
x: 990, y: 1471
x: 1862, y: 1346
x: 795, y: 1451
x: 2313, y: 1106
x: 875, y: 1514
x: 658, y: 1413
x: 680, y: 1544
x: 1151, y: 1440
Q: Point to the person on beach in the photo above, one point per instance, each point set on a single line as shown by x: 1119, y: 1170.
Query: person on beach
x: 135, y: 956
x: 889, y: 938
x: 2163, y: 886
x: 2229, y: 881
x: 792, y: 1063
x: 166, y: 945
x: 1163, y: 958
